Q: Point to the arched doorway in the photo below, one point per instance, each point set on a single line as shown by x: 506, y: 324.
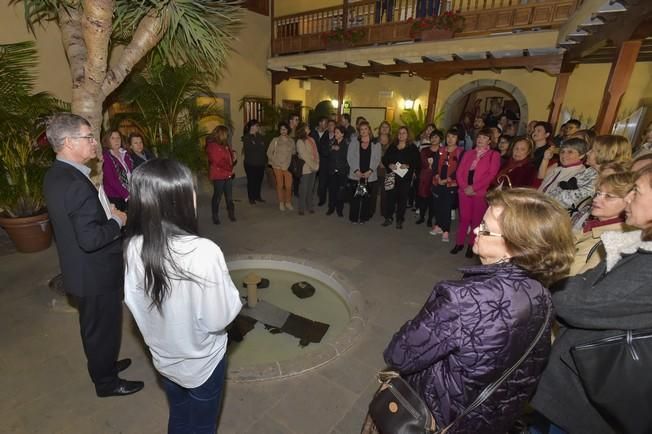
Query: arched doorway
x: 484, y: 92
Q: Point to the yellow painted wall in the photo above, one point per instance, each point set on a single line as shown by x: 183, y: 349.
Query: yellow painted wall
x: 53, y: 74
x: 246, y: 71
x: 536, y: 86
x: 587, y: 84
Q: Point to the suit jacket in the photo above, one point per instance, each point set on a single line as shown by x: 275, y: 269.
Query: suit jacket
x: 88, y: 243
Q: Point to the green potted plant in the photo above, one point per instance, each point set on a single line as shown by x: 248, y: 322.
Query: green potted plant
x: 23, y: 161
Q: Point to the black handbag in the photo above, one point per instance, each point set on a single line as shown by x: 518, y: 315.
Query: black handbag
x: 397, y: 408
x: 296, y: 166
x: 615, y: 374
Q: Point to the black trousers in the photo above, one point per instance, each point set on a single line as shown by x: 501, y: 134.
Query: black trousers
x: 255, y: 176
x: 360, y: 207
x: 444, y: 199
x: 336, y: 191
x: 100, y: 325
x: 323, y: 185
x: 397, y: 199
x: 426, y: 204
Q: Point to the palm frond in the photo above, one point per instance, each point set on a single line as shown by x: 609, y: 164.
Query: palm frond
x: 40, y: 11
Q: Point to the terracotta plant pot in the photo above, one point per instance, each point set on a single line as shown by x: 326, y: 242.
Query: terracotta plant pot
x: 436, y: 34
x: 29, y: 234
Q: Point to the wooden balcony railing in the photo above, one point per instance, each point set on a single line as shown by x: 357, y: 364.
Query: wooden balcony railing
x: 303, y: 32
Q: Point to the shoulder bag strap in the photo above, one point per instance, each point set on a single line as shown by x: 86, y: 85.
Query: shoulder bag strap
x: 486, y: 393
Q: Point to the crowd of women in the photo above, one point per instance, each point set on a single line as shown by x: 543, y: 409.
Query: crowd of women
x: 563, y: 232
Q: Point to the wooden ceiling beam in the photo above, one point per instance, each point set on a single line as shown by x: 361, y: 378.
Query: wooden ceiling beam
x: 550, y: 64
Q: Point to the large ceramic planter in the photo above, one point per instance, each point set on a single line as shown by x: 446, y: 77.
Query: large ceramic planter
x: 29, y: 234
x: 436, y: 34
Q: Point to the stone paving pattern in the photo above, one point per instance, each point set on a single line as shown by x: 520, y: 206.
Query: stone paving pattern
x: 44, y: 386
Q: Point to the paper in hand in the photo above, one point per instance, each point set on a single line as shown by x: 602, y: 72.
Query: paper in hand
x: 399, y: 171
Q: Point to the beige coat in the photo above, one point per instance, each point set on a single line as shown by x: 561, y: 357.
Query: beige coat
x: 307, y: 151
x: 584, y: 242
x: 280, y: 152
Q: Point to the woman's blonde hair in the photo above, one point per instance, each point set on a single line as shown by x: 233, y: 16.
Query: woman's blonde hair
x: 537, y: 232
x: 612, y: 149
x: 647, y: 172
x: 619, y: 183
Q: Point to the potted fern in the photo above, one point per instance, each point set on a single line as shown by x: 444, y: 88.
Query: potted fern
x: 23, y: 161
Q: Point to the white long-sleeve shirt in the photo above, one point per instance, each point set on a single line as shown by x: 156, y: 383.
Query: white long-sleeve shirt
x: 187, y: 338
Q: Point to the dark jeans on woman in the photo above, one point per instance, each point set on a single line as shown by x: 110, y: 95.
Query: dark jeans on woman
x: 426, y: 204
x: 444, y: 198
x: 195, y: 410
x: 221, y: 186
x: 397, y: 199
x: 255, y: 176
x: 360, y: 207
x: 336, y: 191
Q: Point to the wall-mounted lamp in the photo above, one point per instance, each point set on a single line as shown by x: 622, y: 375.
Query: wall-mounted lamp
x: 408, y: 104
x: 335, y: 103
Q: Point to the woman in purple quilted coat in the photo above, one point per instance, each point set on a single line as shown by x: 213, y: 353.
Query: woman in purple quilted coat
x: 471, y: 330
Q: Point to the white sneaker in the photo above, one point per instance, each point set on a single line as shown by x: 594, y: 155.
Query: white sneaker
x: 444, y: 237
x: 436, y: 230
x: 453, y: 214
x: 289, y: 206
x: 281, y: 206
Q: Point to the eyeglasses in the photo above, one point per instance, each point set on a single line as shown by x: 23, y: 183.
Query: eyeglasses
x: 89, y: 137
x: 482, y: 230
x: 607, y: 196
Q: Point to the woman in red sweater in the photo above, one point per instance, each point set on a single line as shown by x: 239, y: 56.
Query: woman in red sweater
x: 221, y: 159
x: 519, y: 169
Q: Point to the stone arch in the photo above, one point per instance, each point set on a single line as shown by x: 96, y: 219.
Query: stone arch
x: 474, y: 85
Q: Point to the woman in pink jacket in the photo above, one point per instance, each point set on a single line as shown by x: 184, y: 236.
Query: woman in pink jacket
x: 478, y: 168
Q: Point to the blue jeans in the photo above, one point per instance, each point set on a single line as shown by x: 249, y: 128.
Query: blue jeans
x: 195, y: 411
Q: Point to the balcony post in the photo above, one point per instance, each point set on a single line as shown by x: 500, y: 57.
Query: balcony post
x: 272, y: 24
x: 345, y: 14
x: 432, y: 98
x: 561, y: 85
x: 617, y: 83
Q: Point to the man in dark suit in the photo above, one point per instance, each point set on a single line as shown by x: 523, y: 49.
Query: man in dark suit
x: 321, y: 138
x: 88, y: 239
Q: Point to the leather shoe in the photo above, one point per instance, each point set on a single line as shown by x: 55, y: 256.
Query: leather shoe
x: 124, y: 387
x: 458, y: 248
x: 123, y: 364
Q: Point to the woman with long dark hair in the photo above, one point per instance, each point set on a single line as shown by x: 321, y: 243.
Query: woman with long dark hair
x: 221, y: 160
x: 402, y: 159
x: 116, y: 169
x: 179, y: 291
x: 255, y: 160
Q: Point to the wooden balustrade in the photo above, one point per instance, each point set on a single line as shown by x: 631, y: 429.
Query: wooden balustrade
x: 303, y: 32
